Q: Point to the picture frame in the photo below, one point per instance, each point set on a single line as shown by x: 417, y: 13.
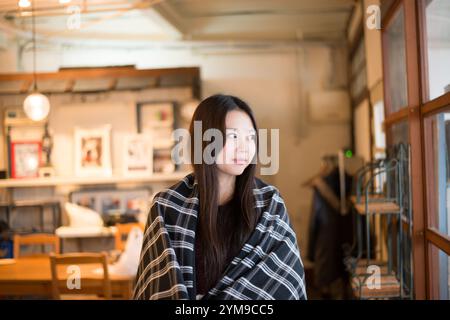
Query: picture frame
x: 159, y: 119
x: 26, y: 158
x: 162, y: 160
x: 93, y: 152
x: 138, y: 155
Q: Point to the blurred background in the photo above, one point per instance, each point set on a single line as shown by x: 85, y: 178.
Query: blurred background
x: 91, y: 90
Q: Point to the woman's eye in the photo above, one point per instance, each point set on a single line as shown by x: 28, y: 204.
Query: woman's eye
x: 232, y: 135
x: 252, y: 137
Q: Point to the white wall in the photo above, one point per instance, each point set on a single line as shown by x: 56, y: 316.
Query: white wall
x: 8, y: 63
x: 274, y: 82
x: 8, y: 53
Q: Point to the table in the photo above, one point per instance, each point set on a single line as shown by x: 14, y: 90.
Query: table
x: 32, y: 276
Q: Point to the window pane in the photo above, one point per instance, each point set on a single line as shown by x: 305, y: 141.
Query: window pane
x: 398, y: 133
x: 358, y: 72
x: 358, y: 84
x: 437, y: 26
x: 359, y: 58
x: 440, y: 274
x: 437, y: 150
x: 378, y: 119
x: 407, y: 263
x: 396, y: 63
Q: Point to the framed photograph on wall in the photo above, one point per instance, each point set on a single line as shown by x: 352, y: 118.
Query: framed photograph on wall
x: 138, y: 155
x: 162, y: 160
x: 93, y: 152
x: 25, y: 159
x: 158, y: 119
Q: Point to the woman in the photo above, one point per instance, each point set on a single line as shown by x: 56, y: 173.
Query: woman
x: 221, y: 233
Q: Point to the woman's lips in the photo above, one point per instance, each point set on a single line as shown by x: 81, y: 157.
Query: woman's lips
x: 240, y: 161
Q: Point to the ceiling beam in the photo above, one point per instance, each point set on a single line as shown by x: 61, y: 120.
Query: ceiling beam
x: 166, y: 16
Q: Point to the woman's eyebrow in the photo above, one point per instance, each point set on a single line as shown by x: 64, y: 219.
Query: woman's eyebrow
x: 235, y: 129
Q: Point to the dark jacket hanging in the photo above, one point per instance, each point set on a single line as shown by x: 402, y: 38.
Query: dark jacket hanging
x: 329, y: 230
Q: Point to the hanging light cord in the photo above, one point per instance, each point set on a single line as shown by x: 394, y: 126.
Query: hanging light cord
x: 34, y: 47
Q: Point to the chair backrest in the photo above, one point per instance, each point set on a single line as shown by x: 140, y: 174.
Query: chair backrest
x: 35, y: 239
x: 123, y: 229
x: 77, y: 259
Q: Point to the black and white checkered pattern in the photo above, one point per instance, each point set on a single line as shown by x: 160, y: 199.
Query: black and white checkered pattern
x: 268, y: 266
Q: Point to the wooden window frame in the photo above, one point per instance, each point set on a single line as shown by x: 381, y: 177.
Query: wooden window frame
x: 419, y: 108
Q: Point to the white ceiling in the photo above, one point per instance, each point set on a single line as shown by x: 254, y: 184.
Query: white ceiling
x: 202, y: 20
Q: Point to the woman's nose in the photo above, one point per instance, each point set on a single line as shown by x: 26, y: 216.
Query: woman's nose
x: 242, y: 146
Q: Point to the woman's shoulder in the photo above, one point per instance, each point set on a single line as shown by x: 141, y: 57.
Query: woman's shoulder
x: 182, y: 191
x: 269, y: 200
x: 264, y: 189
x: 186, y: 184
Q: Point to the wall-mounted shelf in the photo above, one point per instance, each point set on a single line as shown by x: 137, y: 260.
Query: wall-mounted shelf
x: 60, y: 181
x: 85, y: 80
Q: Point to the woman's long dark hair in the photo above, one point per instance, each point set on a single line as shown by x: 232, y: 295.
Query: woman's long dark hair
x: 221, y: 236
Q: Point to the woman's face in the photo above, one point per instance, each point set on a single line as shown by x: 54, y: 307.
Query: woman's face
x: 240, y: 144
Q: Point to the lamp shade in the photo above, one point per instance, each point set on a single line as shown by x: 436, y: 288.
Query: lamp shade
x: 36, y: 106
x: 24, y: 3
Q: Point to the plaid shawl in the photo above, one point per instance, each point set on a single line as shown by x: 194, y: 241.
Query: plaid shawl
x: 267, y: 267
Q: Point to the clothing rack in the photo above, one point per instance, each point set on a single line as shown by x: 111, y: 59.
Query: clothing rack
x: 391, y: 203
x: 345, y: 165
x: 330, y: 227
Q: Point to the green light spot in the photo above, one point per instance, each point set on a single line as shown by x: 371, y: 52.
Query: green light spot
x: 349, y: 153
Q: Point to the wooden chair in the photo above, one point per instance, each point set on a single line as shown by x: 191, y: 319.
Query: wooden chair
x: 122, y: 230
x: 35, y: 239
x: 90, y: 287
